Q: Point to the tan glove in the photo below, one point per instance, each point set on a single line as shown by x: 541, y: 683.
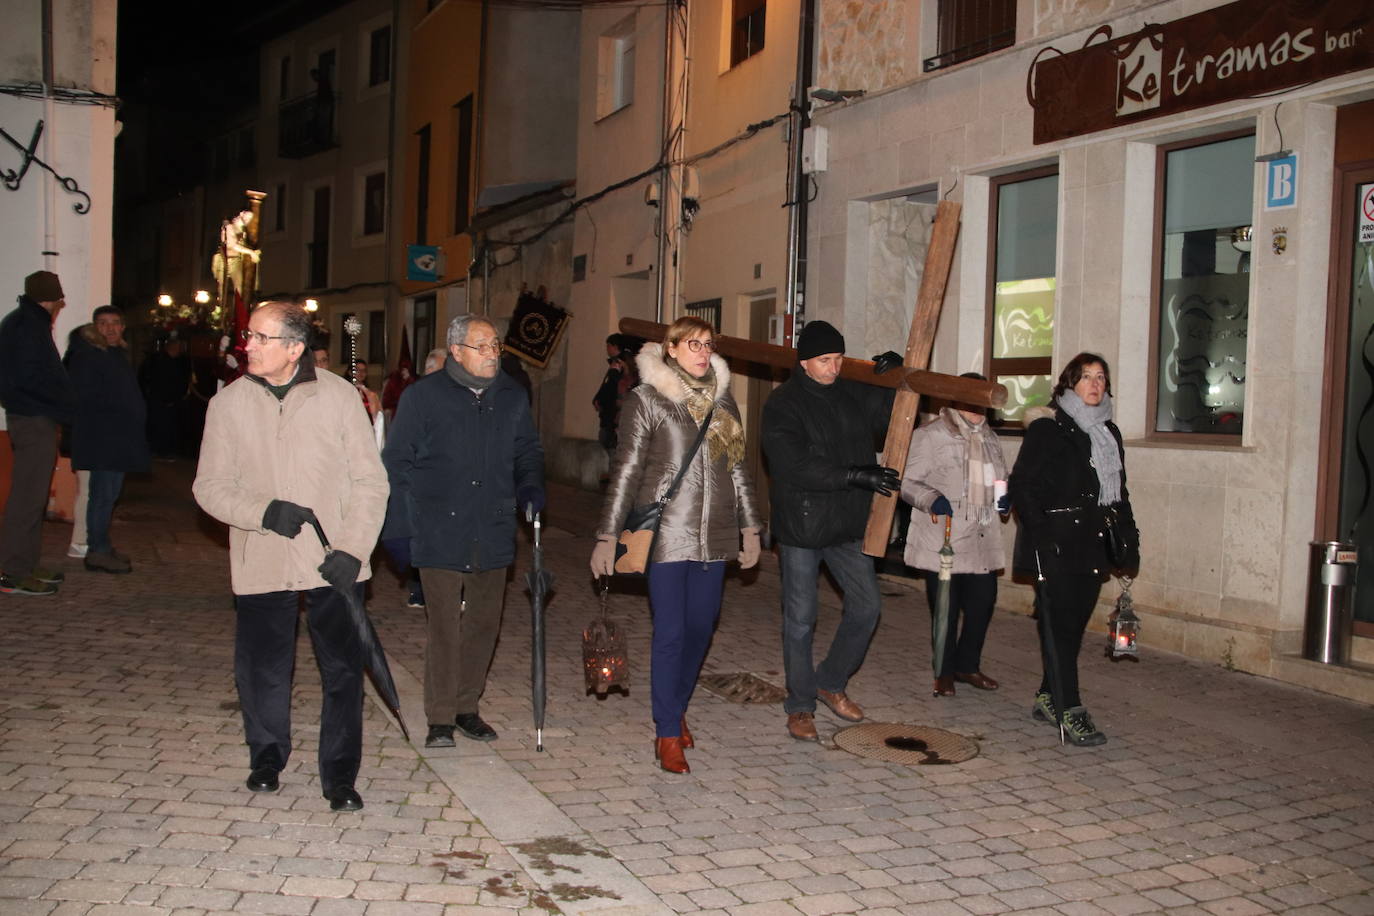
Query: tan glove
x: 603, y: 555
x: 749, y: 555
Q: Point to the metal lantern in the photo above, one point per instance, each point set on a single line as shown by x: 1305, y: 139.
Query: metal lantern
x: 1125, y: 625
x: 605, y: 661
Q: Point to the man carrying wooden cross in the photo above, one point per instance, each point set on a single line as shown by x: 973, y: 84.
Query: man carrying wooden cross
x: 818, y: 434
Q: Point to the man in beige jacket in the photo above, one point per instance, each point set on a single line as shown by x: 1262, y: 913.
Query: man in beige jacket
x: 285, y: 445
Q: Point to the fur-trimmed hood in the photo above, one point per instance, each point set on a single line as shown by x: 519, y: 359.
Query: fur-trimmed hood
x: 1037, y: 413
x: 655, y: 371
x: 88, y: 333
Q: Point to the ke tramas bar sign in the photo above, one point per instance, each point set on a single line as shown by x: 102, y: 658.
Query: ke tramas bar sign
x: 1233, y: 51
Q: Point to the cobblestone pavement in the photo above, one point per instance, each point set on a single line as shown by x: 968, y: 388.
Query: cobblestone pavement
x: 121, y: 768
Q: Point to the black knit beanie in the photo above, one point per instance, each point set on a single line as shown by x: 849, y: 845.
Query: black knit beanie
x: 818, y: 338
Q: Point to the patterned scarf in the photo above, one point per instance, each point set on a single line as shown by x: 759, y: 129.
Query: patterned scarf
x: 726, y: 436
x: 981, y: 467
x: 1106, y: 457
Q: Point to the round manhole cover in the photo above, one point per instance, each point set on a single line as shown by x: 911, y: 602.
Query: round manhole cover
x: 913, y: 745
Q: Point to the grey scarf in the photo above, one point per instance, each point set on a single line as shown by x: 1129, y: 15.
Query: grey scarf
x: 465, y: 378
x: 1106, y: 458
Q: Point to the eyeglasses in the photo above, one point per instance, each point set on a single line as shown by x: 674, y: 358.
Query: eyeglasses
x: 491, y: 348
x: 248, y: 334
x: 695, y: 345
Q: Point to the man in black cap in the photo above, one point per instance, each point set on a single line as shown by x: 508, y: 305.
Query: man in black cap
x: 37, y: 397
x: 819, y: 436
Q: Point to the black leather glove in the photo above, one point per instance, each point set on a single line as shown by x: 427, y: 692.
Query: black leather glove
x: 885, y: 361
x: 286, y: 518
x: 530, y: 500
x: 874, y: 477
x: 340, y: 570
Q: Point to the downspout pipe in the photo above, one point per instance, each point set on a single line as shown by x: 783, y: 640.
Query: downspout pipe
x: 795, y: 295
x: 49, y: 142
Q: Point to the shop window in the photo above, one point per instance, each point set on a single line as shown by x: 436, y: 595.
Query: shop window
x: 966, y: 29
x: 1202, y: 256
x: 615, y: 77
x: 1021, y: 271
x: 746, y: 33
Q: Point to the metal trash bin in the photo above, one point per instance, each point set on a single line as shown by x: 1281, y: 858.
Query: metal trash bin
x: 1330, y: 603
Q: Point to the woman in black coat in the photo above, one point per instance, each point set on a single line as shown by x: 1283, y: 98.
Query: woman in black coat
x: 1068, y: 484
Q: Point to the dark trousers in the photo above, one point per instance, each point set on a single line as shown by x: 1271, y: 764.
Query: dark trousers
x: 1064, y: 605
x: 34, y: 442
x: 685, y: 601
x: 464, y: 619
x: 972, y: 596
x: 858, y: 579
x: 264, y: 662
x: 102, y: 493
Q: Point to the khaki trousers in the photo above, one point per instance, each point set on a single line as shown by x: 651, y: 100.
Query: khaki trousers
x: 464, y: 611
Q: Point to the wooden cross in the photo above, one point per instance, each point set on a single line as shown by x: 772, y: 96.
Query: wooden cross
x: 914, y: 381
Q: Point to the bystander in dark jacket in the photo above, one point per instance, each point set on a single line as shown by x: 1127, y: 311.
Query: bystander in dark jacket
x: 108, y: 431
x: 37, y: 396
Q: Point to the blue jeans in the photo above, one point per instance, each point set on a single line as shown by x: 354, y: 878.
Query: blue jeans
x: 685, y: 600
x: 858, y: 579
x: 100, y: 502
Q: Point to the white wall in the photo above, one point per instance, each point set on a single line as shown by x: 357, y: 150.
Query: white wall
x: 77, y: 141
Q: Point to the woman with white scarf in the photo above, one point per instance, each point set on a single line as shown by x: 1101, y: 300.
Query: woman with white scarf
x: 1069, y: 482
x: 953, y: 469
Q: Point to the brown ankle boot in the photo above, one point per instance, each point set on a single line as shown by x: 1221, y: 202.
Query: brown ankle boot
x: 687, y: 741
x: 668, y: 752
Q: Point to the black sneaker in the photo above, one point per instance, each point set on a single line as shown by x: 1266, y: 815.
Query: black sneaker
x: 439, y: 736
x: 471, y: 726
x: 1079, y: 728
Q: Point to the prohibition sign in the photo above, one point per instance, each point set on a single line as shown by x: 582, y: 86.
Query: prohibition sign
x: 1366, y: 233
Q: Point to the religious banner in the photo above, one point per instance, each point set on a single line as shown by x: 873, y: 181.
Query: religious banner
x: 535, y: 328
x: 1239, y: 50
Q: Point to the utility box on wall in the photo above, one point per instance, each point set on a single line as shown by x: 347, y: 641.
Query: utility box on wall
x: 815, y: 150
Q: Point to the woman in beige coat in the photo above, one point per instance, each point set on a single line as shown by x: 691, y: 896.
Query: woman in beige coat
x: 711, y: 518
x: 954, y: 469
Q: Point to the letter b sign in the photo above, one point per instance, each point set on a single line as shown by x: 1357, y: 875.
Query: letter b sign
x: 1281, y: 183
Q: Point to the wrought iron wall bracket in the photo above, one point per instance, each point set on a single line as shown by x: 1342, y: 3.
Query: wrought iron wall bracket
x: 12, y: 179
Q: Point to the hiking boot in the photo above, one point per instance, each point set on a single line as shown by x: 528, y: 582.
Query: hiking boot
x: 108, y: 562
x: 28, y: 586
x: 1043, y: 708
x: 50, y: 576
x: 1079, y: 728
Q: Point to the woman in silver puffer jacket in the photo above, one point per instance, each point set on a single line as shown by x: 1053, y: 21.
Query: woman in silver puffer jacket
x: 711, y: 519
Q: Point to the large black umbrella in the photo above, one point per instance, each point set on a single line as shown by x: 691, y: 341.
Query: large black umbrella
x: 540, y: 582
x: 939, y: 620
x: 374, y: 659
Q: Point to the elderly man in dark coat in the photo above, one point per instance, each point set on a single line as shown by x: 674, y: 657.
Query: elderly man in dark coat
x: 463, y: 458
x: 108, y: 432
x: 37, y: 396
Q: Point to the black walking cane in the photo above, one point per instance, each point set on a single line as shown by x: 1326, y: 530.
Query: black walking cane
x: 1042, y: 604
